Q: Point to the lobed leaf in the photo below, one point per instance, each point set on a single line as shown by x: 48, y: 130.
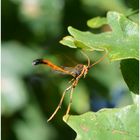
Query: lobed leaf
x: 116, y: 124
x: 68, y: 41
x: 96, y: 22
x: 121, y: 43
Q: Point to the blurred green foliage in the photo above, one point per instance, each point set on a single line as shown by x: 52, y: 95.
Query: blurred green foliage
x: 32, y: 29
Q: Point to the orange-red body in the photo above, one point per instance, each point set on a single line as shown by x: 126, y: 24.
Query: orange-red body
x: 74, y: 71
x: 55, y: 67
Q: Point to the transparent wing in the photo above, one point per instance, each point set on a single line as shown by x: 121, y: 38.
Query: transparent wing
x: 67, y: 71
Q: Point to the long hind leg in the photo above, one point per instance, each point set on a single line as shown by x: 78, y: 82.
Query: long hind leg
x: 60, y: 103
x: 70, y: 102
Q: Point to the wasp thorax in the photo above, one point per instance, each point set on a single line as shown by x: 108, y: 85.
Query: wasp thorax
x: 78, y: 69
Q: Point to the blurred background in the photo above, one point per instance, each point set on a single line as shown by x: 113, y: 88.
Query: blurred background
x: 32, y: 29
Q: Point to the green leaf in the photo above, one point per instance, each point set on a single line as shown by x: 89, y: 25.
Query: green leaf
x: 96, y: 22
x: 135, y: 98
x: 107, y: 124
x: 72, y: 43
x: 121, y: 43
x: 130, y: 72
x: 68, y: 41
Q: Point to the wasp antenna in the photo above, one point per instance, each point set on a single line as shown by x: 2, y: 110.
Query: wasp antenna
x: 106, y: 53
x: 86, y: 57
x: 37, y: 61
